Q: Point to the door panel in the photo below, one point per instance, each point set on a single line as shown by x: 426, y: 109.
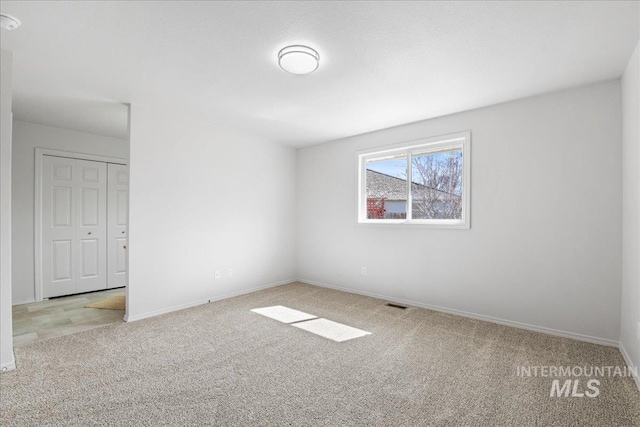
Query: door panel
x: 92, y: 227
x: 89, y: 262
x: 121, y: 256
x: 121, y: 208
x: 61, y: 260
x: 118, y: 198
x: 90, y: 201
x: 90, y: 174
x: 74, y: 226
x: 58, y: 226
x: 62, y: 172
x: 61, y: 199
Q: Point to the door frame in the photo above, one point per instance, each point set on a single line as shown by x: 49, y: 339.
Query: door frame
x: 37, y: 203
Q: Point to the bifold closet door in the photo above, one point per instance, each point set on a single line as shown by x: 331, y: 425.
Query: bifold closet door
x: 92, y: 226
x: 74, y: 226
x: 118, y: 188
x: 59, y: 249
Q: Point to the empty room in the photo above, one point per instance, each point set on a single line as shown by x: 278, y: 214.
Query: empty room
x: 320, y: 213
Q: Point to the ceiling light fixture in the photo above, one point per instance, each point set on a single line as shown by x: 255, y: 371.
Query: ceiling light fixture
x: 9, y: 22
x: 298, y: 59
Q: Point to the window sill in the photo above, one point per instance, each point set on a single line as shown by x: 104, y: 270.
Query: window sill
x: 440, y: 224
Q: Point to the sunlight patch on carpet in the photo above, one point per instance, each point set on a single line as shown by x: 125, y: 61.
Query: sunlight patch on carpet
x: 283, y: 314
x: 333, y: 330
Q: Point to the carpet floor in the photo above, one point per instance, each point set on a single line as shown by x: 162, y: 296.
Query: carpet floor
x: 220, y: 364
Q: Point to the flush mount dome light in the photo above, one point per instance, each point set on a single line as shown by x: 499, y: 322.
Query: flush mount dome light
x: 9, y: 22
x: 298, y: 59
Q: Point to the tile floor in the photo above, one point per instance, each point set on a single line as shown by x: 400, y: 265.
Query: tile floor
x: 62, y: 316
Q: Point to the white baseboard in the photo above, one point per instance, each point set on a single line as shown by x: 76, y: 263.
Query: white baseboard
x: 27, y: 301
x: 534, y: 328
x: 248, y: 291
x: 629, y: 363
x: 128, y: 318
x: 8, y: 366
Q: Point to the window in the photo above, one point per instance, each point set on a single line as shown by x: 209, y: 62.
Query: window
x: 437, y: 192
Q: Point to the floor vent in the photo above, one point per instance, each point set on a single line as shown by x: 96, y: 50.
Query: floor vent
x: 389, y: 304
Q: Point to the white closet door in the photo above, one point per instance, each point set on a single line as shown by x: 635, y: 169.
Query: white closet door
x: 92, y: 226
x: 118, y: 197
x: 59, y: 249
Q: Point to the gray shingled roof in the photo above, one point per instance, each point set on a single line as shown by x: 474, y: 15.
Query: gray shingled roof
x: 382, y: 186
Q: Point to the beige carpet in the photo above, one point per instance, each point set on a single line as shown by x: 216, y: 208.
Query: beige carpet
x: 220, y: 364
x: 113, y: 303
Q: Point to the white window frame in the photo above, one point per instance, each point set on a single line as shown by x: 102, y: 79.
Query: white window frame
x: 461, y: 140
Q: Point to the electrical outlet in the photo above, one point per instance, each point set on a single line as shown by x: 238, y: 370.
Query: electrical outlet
x: 229, y: 272
x: 364, y: 271
x: 217, y: 274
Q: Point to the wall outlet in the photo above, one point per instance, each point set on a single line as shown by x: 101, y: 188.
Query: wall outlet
x: 364, y: 271
x: 229, y: 272
x: 217, y: 274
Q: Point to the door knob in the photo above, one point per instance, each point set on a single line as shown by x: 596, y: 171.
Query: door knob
x: 123, y: 232
x: 89, y: 233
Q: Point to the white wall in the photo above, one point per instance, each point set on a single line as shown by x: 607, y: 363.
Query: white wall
x: 544, y: 248
x: 631, y: 211
x: 204, y: 198
x: 26, y: 137
x: 6, y: 332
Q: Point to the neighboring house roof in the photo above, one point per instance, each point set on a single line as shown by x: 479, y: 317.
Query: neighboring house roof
x: 383, y: 186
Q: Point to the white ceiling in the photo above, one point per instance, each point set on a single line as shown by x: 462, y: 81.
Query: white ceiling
x: 381, y: 63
